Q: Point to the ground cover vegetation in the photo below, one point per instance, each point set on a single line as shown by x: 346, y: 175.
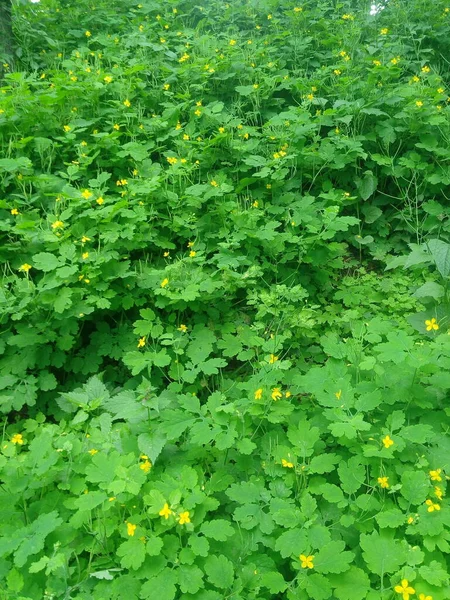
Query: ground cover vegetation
x: 225, y: 350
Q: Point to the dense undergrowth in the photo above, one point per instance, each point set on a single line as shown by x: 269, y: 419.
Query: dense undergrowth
x: 224, y: 353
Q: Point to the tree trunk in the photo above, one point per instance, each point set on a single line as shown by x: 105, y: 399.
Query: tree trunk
x: 6, y: 36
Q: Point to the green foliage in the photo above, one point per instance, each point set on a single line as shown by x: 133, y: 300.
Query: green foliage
x: 224, y: 361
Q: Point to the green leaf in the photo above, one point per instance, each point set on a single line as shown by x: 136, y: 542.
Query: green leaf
x: 44, y: 261
x: 381, y: 553
x: 161, y: 587
x: 200, y: 545
x: 292, y: 542
x: 441, y: 253
x: 220, y: 571
x: 332, y: 558
x: 367, y: 185
x: 219, y: 529
x: 274, y: 582
x: 434, y: 573
x: 351, y: 585
x: 152, y: 444
x: 415, y: 486
x: 352, y: 475
x: 34, y: 536
x: 390, y: 518
x: 190, y: 579
x: 90, y: 500
x: 318, y: 586
x: 132, y: 553
x: 325, y: 463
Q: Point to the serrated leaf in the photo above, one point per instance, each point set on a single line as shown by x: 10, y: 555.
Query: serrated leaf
x: 441, y: 253
x: 190, y: 579
x: 351, y: 585
x: 382, y: 554
x: 161, y: 587
x: 274, y: 582
x: 44, y: 261
x: 219, y: 529
x: 220, y: 571
x: 332, y: 558
x: 132, y: 553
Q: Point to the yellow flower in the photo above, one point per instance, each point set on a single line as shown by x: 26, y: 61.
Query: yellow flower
x: 387, y: 442
x: 87, y: 33
x: 67, y: 128
x: 440, y: 90
x: 423, y: 597
x: 395, y: 60
x: 432, y: 506
x: 127, y: 103
x: 298, y: 9
x: 146, y: 466
x: 276, y: 394
x: 165, y: 511
x: 337, y: 72
x: 419, y: 103
x: 107, y: 79
x: 14, y: 211
x: 184, y: 518
x: 182, y: 328
x: 86, y: 194
x: 426, y: 69
x: 404, y: 589
x: 384, y: 482
x: 338, y: 394
x: 166, y: 86
x: 141, y: 342
x: 57, y: 225
x: 116, y: 126
x: 431, y: 324
x: 85, y: 255
x: 162, y: 40
x: 221, y: 129
x: 25, y: 267
x: 185, y: 136
x: 172, y: 160
x: 184, y: 58
x: 307, y: 561
x: 131, y: 528
x: 232, y: 42
x: 376, y: 62
x: 416, y: 79
x: 192, y: 253
x: 17, y: 439
x: 93, y: 451
x: 214, y: 183
x: 273, y: 359
x: 348, y: 17
x: 287, y: 394
x: 256, y: 86
x: 310, y: 96
x: 435, y: 475
x: 164, y: 282
x: 198, y: 112
x: 111, y: 499
x: 100, y: 200
x: 258, y: 394
x: 438, y: 492
x: 384, y: 31
x: 287, y: 464
x: 190, y: 244
x: 410, y: 520
x: 166, y: 254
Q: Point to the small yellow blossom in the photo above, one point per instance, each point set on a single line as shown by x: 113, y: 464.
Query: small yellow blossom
x: 166, y: 86
x: 93, y: 451
x: 145, y: 466
x: 100, y: 200
x: 387, y: 442
x: 25, y: 267
x: 57, y: 225
x: 419, y: 103
x: 258, y: 394
x: 214, y: 183
x: 307, y: 561
x: 221, y: 130
x: 337, y: 72
x: 426, y: 69
x: 184, y: 58
x: 410, y: 520
x: 432, y: 506
x: 424, y: 597
x: 384, y: 31
x: 127, y: 103
x: 116, y: 126
x: 348, y: 17
x: 287, y: 394
x: 416, y: 79
x: 111, y: 499
x: 232, y: 42
x: 404, y: 589
x: 184, y: 518
x: 85, y: 255
x: 17, y: 438
x: 338, y: 394
x: 182, y: 328
x: 440, y: 90
x: 164, y: 282
x: 131, y: 529
x: 376, y: 62
x: 269, y: 17
x: 14, y: 211
x: 431, y: 324
x: 395, y: 60
x: 310, y: 96
x: 141, y: 342
x: 86, y: 194
x: 383, y: 481
x: 67, y: 128
x: 192, y: 253
x: 107, y: 79
x: 273, y: 359
x: 87, y: 33
x: 438, y: 492
x: 287, y: 464
x: 162, y: 40
x: 198, y: 112
x: 435, y: 475
x: 276, y: 394
x: 165, y: 511
x: 298, y: 9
